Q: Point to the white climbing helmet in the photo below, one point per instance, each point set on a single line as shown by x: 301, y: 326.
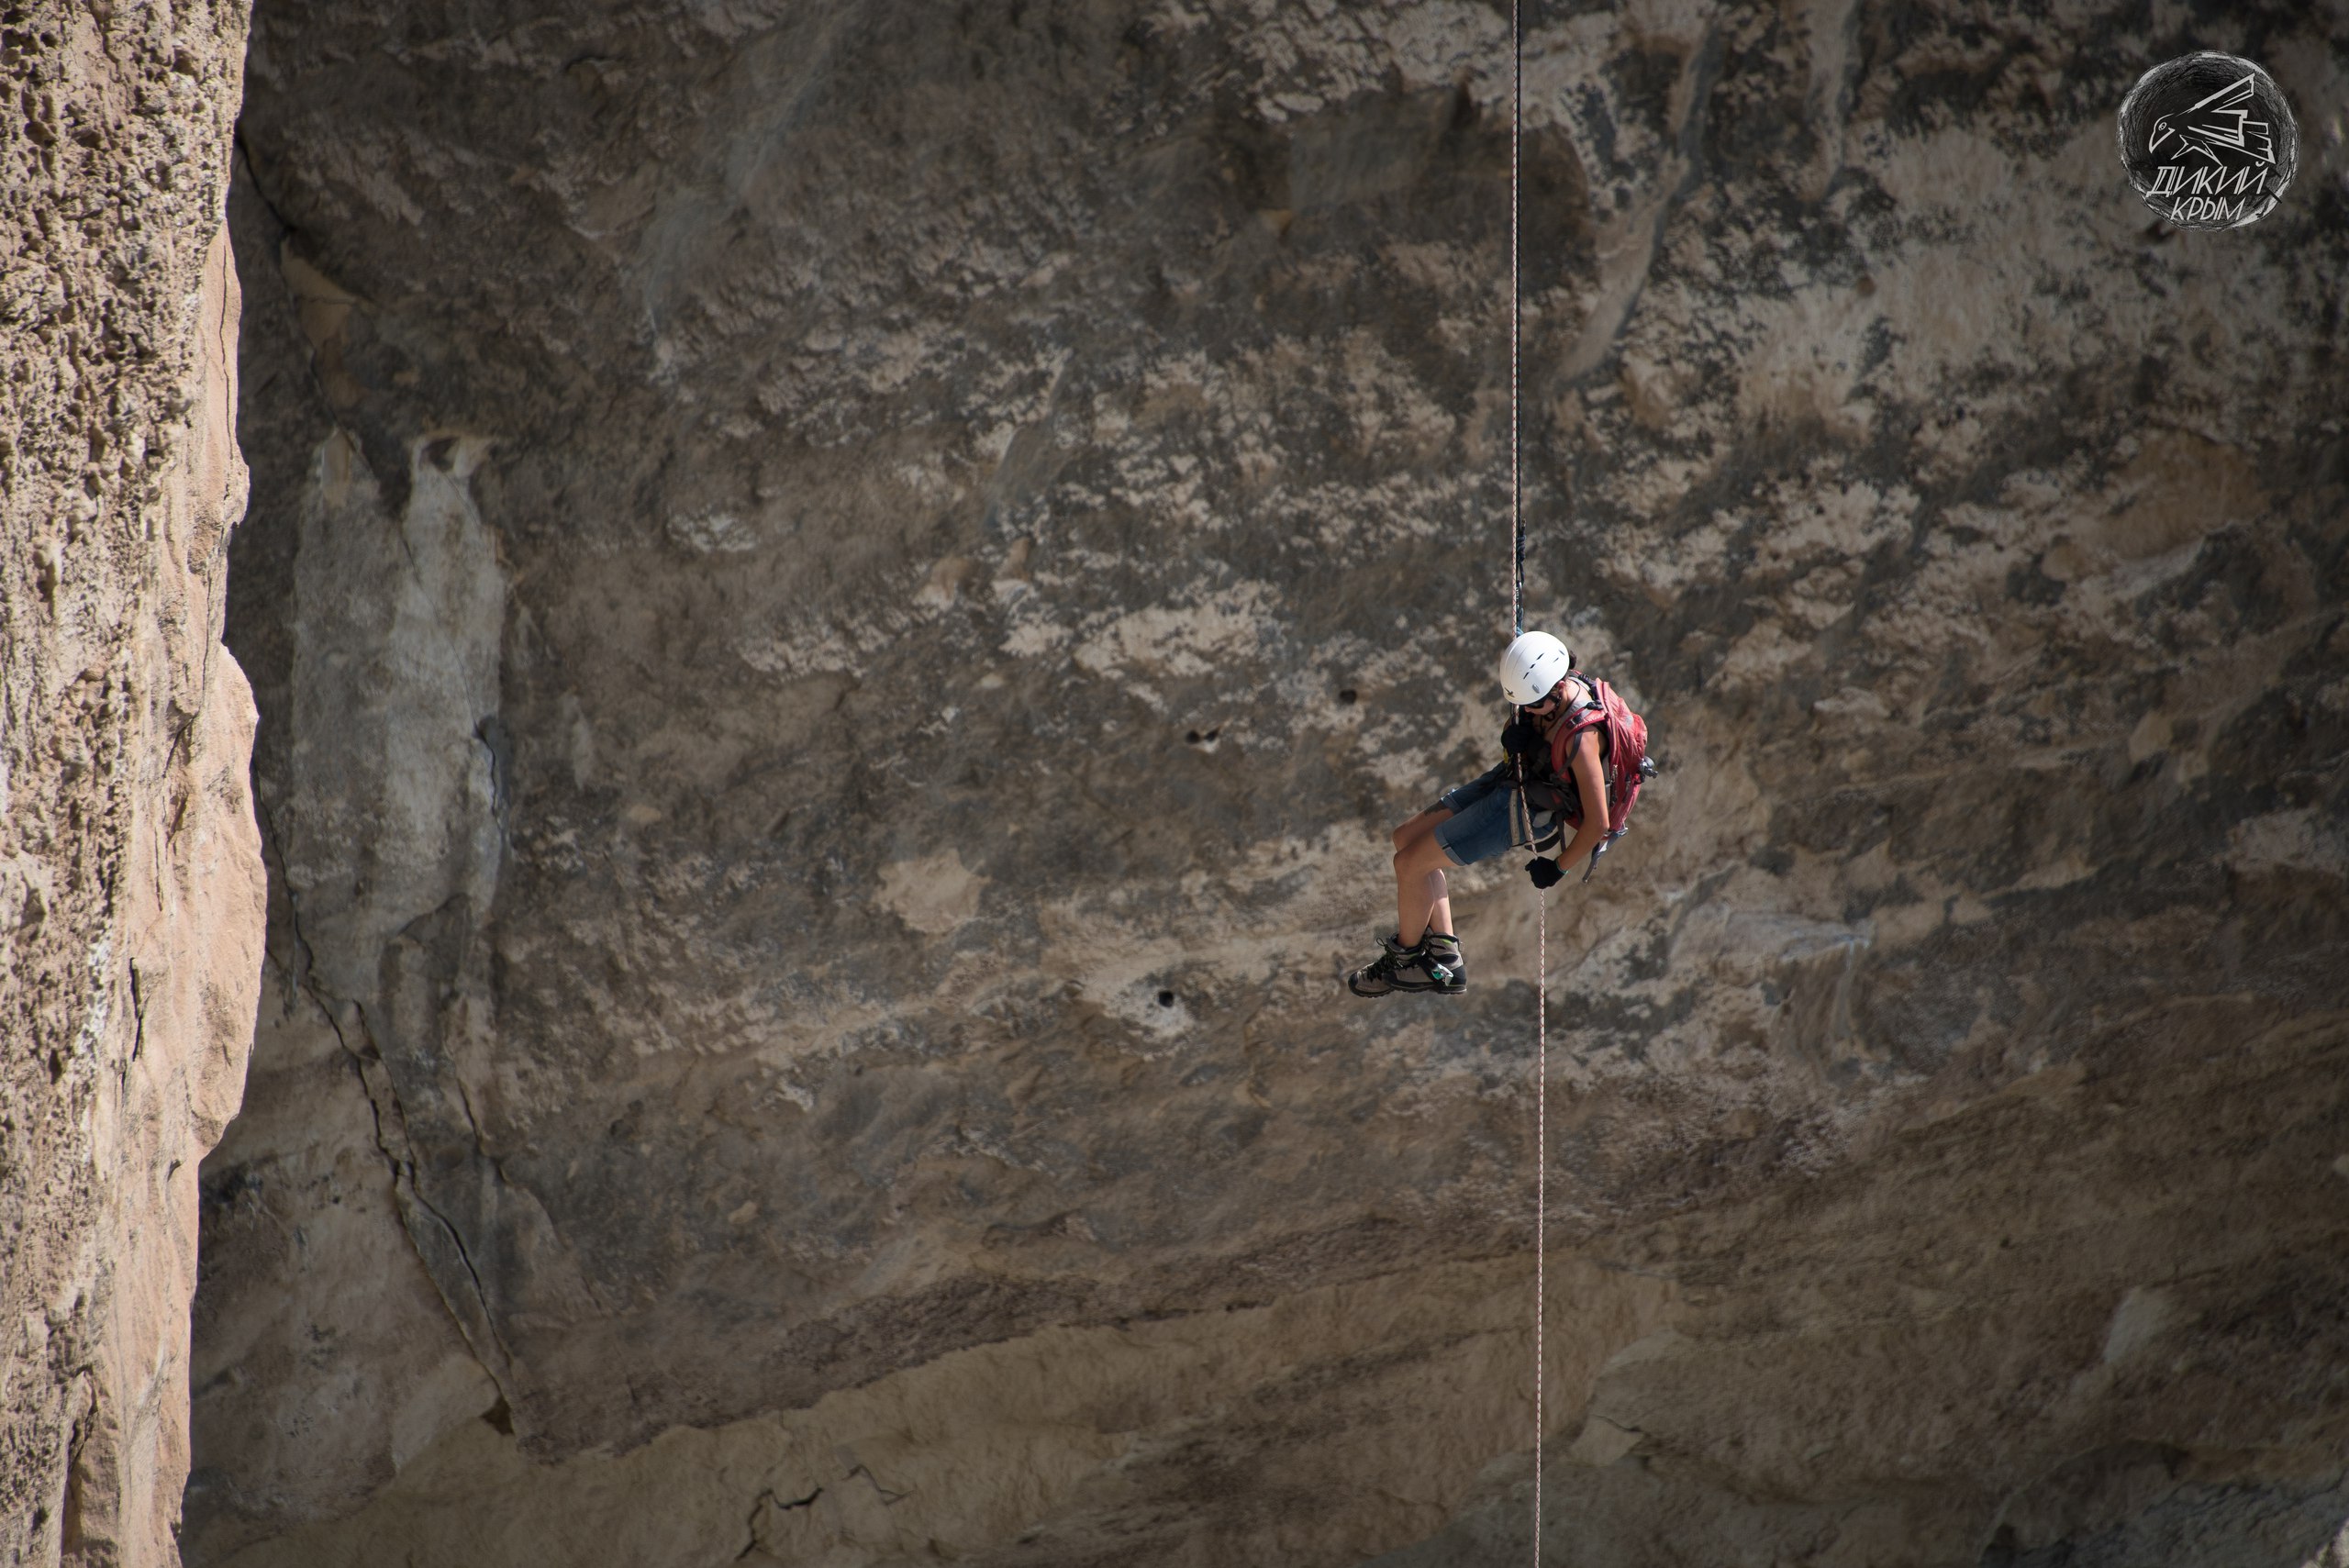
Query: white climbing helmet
x: 1534, y: 663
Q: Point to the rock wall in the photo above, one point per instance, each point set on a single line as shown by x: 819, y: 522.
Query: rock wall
x: 845, y: 595
x: 131, y: 889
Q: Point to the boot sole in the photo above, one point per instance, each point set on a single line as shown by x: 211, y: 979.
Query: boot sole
x: 1394, y: 990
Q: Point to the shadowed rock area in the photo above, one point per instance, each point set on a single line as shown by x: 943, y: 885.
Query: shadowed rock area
x: 843, y: 596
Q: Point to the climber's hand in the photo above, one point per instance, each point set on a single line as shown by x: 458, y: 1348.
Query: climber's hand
x: 1544, y: 873
x: 1522, y: 738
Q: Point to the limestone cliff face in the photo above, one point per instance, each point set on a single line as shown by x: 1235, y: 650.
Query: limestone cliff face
x: 131, y: 890
x: 843, y: 597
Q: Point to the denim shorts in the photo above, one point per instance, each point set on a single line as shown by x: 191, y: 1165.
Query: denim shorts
x: 1485, y: 820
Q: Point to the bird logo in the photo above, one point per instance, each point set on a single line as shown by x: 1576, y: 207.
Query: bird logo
x: 2209, y: 141
x: 2218, y: 128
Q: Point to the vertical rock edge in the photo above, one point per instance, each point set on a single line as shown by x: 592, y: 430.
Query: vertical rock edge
x: 131, y: 889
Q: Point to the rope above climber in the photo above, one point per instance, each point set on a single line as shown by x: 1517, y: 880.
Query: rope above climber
x: 1570, y: 739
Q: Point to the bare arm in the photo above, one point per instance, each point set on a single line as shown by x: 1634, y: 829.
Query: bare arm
x: 1590, y: 783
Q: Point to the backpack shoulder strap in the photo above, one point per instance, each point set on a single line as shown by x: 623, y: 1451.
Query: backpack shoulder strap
x: 1590, y: 713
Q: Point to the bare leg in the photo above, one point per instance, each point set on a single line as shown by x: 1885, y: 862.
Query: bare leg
x: 1423, y: 902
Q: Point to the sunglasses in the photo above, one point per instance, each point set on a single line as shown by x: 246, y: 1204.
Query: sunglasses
x: 1555, y: 696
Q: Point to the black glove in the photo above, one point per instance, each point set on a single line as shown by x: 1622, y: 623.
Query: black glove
x: 1544, y: 873
x: 1523, y: 738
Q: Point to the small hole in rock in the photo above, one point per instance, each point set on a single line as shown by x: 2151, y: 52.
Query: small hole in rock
x: 1166, y: 998
x: 1193, y: 737
x: 1348, y: 696
x: 1213, y: 733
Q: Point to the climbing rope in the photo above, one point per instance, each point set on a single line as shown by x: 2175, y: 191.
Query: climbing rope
x: 1516, y: 490
x: 1540, y: 898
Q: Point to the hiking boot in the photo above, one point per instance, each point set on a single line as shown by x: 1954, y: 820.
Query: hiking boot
x: 1447, y: 971
x: 1433, y: 965
x: 1377, y: 978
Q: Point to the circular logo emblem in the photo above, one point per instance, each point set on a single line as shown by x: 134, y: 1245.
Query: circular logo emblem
x: 2209, y: 141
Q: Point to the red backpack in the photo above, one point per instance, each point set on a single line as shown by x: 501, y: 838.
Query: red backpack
x: 1623, y: 759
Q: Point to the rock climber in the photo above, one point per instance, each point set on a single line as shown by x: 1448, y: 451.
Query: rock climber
x: 1520, y: 803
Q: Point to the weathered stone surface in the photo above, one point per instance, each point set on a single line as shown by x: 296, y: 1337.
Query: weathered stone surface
x: 844, y: 597
x: 131, y: 890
